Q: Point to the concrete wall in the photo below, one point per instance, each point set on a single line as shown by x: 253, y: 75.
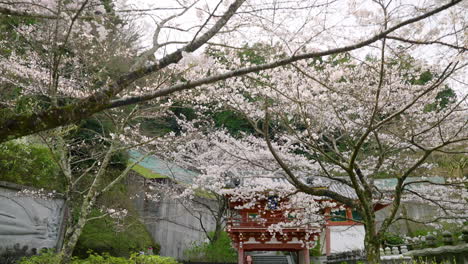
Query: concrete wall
x: 170, y: 223
x: 27, y: 221
x: 416, y: 211
x: 346, y: 238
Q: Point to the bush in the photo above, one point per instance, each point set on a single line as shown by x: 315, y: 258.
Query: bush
x: 104, y: 236
x: 151, y: 259
x: 219, y: 251
x: 393, y: 239
x: 118, y: 238
x: 316, y: 250
x: 51, y: 258
x: 44, y: 258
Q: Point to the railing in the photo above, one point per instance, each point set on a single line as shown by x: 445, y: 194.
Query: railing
x: 263, y: 222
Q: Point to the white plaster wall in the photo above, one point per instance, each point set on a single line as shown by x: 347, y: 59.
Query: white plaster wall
x: 346, y: 238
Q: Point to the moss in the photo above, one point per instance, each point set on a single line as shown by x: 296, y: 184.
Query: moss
x: 204, y: 194
x: 29, y: 164
x: 147, y: 173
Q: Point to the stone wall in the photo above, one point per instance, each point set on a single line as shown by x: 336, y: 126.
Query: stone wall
x: 457, y: 254
x: 170, y: 223
x: 417, y: 211
x: 28, y: 221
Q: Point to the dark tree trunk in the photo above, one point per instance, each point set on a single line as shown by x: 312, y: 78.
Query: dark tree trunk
x: 372, y: 240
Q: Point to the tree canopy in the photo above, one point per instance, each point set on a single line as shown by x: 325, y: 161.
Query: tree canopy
x: 83, y: 33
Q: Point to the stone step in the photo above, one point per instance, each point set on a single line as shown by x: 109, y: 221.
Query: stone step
x: 270, y: 259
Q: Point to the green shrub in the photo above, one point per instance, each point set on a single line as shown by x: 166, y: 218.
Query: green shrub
x: 219, y: 251
x: 316, y: 250
x: 151, y: 259
x: 103, y: 236
x: 51, y: 258
x: 101, y: 259
x: 44, y: 258
x: 393, y: 239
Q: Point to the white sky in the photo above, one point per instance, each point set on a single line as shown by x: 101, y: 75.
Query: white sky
x: 294, y: 27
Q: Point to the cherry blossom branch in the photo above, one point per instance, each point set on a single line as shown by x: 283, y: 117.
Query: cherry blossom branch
x: 27, y: 124
x: 429, y: 42
x: 400, y: 187
x: 295, y: 181
x: 21, y: 125
x: 159, y: 26
x: 192, y: 84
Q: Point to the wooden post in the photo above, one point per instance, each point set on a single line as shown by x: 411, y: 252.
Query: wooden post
x: 240, y: 253
x: 327, y: 240
x: 306, y: 255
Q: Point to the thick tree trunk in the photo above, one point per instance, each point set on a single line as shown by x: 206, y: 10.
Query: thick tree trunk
x: 372, y: 249
x: 372, y: 241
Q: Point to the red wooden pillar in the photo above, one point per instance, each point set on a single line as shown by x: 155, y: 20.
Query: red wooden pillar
x: 240, y: 253
x: 304, y: 257
x: 305, y: 253
x: 327, y: 240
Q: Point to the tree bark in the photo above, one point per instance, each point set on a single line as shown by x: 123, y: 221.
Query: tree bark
x: 69, y: 246
x: 372, y: 240
x: 372, y: 250
x: 90, y: 198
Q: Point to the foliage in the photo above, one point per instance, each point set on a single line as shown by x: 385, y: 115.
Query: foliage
x: 219, y: 251
x: 392, y: 239
x: 29, y: 164
x: 316, y: 250
x: 90, y: 132
x: 52, y: 258
x: 115, y: 237
x: 334, y: 115
x: 145, y: 259
x: 147, y: 173
x: 233, y: 122
x: 47, y: 257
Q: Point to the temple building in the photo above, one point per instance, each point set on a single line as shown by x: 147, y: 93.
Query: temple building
x: 251, y: 227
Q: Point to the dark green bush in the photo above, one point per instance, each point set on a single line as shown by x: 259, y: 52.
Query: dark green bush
x: 44, y: 258
x: 219, y: 251
x: 104, y: 236
x: 51, y: 258
x: 393, y: 239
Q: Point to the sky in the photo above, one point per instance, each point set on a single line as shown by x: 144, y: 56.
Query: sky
x: 341, y: 22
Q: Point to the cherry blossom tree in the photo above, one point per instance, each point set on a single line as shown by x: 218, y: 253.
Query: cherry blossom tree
x: 90, y: 162
x: 344, y: 119
x: 90, y: 171
x: 305, y: 27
